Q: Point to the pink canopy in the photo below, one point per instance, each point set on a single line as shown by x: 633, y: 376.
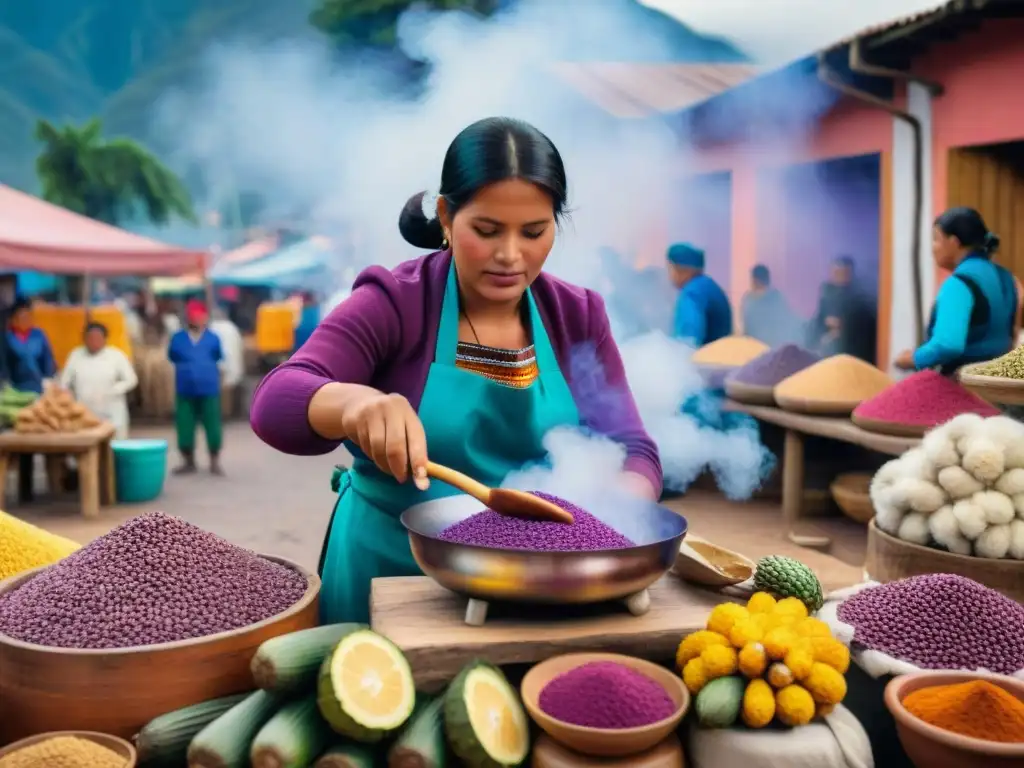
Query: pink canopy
x: 36, y: 235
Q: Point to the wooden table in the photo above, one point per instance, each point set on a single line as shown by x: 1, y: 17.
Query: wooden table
x: 90, y: 446
x: 427, y: 622
x: 796, y: 426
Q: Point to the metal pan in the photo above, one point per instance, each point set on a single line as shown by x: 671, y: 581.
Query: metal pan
x: 525, y: 576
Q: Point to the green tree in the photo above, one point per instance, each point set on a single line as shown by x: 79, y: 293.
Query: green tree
x: 374, y: 22
x: 108, y: 180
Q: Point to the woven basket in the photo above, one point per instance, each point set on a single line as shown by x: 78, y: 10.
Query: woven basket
x: 850, y: 492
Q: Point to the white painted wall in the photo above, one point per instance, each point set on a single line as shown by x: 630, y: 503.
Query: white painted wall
x: 901, y: 322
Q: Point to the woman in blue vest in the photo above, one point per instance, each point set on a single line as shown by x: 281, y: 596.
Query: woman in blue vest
x: 975, y: 315
x: 29, y: 358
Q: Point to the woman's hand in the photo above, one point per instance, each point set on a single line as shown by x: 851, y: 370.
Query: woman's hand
x: 388, y: 430
x: 637, y: 485
x: 905, y: 360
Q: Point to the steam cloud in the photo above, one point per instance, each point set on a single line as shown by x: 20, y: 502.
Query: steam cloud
x: 330, y: 142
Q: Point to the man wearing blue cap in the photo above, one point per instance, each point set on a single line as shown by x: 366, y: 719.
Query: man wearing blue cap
x: 703, y: 314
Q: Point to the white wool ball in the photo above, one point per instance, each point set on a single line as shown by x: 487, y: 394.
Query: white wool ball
x: 888, y: 516
x: 914, y: 463
x: 998, y: 509
x: 1016, y: 550
x: 939, y: 449
x: 971, y: 518
x: 918, y: 495
x: 993, y: 543
x: 914, y: 528
x: 1011, y: 482
x: 1003, y: 430
x: 983, y: 459
x: 963, y: 425
x: 883, y: 479
x: 959, y: 483
x: 945, y: 529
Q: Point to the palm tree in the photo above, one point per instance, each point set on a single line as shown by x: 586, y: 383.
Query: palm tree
x: 108, y: 180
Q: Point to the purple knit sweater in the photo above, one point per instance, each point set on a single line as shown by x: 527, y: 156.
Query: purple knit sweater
x: 384, y: 336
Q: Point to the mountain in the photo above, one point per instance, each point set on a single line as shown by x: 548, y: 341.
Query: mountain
x: 67, y: 60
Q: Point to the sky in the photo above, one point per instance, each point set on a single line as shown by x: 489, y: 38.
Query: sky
x: 778, y: 31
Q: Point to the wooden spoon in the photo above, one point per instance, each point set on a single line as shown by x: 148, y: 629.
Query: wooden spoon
x: 504, y: 501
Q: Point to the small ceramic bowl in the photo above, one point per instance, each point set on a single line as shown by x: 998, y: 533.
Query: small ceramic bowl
x: 707, y: 564
x: 113, y: 743
x: 602, y: 742
x: 931, y: 747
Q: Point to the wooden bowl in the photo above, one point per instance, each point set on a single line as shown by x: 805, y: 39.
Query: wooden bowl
x: 707, y: 564
x: 602, y: 742
x: 114, y: 744
x: 931, y: 747
x: 548, y: 753
x: 751, y: 394
x: 890, y: 558
x: 119, y: 690
x: 814, y: 406
x: 850, y: 491
x: 994, y: 389
x: 892, y: 428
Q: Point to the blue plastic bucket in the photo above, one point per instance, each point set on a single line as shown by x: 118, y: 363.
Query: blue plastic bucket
x: 140, y: 467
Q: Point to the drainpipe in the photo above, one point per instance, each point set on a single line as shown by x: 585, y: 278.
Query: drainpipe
x: 857, y: 64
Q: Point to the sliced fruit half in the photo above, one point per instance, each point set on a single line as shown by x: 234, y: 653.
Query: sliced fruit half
x: 366, y: 690
x: 484, y: 720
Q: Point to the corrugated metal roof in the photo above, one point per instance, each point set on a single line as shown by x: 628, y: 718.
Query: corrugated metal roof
x: 628, y: 90
x: 950, y: 6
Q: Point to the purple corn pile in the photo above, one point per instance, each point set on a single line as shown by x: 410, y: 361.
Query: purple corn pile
x: 939, y: 621
x: 604, y: 694
x: 773, y: 366
x: 490, y: 529
x: 154, y: 579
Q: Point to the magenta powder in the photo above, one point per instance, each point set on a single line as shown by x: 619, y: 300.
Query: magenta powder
x: 925, y: 399
x: 489, y: 529
x: 773, y: 366
x: 603, y: 694
x: 939, y: 621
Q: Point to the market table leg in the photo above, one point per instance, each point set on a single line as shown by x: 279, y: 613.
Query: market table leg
x: 26, y: 476
x: 4, y: 469
x: 55, y: 467
x: 107, y: 476
x: 793, y: 491
x: 89, y: 482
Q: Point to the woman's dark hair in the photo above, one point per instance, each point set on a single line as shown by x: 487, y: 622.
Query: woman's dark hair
x: 96, y: 327
x: 19, y: 304
x: 488, y: 151
x: 967, y: 226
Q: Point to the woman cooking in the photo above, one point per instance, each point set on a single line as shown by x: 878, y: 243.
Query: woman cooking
x: 462, y: 355
x: 976, y: 316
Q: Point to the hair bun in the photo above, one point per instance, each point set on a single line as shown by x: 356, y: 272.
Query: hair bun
x: 416, y: 228
x: 991, y: 242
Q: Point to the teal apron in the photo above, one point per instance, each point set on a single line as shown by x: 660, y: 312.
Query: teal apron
x: 474, y: 425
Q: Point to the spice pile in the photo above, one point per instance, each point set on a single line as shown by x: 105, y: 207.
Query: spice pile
x: 605, y: 694
x: 497, y: 531
x: 763, y: 662
x: 1009, y: 366
x: 342, y: 696
x: 977, y: 709
x: 731, y: 352
x: 939, y: 621
x: 835, y: 386
x: 926, y: 399
x: 54, y: 411
x: 962, y: 490
x: 23, y: 546
x: 64, y: 752
x: 154, y: 579
x: 773, y: 366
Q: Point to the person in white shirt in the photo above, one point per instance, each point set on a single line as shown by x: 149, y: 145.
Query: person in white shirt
x: 100, y: 377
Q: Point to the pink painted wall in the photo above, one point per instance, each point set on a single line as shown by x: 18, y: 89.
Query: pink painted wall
x: 702, y: 216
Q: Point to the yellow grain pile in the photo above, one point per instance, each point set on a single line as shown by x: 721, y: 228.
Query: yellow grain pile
x: 732, y: 351
x: 834, y: 386
x: 63, y: 752
x: 23, y: 546
x: 55, y: 411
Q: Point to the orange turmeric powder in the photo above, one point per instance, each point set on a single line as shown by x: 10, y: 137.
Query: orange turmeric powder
x: 977, y: 709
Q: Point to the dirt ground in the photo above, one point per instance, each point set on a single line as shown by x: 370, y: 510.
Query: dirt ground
x: 280, y: 505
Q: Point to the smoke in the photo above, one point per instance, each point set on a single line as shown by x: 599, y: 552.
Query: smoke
x: 332, y: 142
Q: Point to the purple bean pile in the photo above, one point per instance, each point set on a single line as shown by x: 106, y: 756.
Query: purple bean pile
x: 154, y: 579
x: 490, y: 529
x: 939, y: 621
x: 773, y: 366
x: 604, y: 694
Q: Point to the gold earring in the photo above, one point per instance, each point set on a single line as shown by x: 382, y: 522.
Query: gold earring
x: 444, y: 243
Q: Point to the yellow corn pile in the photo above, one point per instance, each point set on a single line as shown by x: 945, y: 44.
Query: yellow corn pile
x: 23, y: 546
